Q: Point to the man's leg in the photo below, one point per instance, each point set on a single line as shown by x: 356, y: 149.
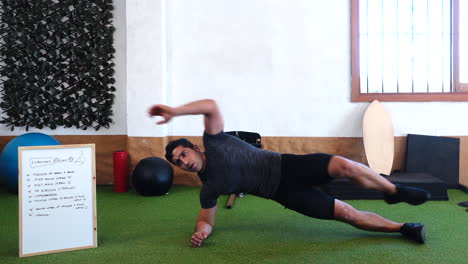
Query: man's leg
x: 360, y: 174
x: 373, y: 222
x: 364, y: 220
x: 365, y: 177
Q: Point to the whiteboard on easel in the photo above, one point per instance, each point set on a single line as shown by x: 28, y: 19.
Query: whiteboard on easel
x: 57, y: 199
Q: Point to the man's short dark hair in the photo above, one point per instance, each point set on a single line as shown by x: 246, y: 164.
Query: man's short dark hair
x: 174, y: 144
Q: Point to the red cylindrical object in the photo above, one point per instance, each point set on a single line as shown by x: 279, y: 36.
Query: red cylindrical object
x: 120, y: 171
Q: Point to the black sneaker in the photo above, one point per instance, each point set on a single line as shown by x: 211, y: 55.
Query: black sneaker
x: 414, y: 231
x: 411, y: 195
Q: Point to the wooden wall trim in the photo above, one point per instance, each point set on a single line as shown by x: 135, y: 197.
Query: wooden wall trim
x: 105, y: 147
x: 142, y: 147
x: 348, y: 147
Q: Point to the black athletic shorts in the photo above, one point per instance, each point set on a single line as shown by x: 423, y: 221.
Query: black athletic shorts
x: 300, y: 176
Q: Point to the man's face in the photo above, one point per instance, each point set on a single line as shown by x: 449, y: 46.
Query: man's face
x: 188, y: 159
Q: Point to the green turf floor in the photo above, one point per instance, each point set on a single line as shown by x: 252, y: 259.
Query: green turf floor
x: 136, y: 229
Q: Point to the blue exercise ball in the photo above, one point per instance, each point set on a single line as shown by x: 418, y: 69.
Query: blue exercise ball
x: 9, y: 156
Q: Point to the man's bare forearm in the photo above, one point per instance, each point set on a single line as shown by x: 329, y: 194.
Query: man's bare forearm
x: 213, y: 119
x: 209, y: 108
x: 203, y: 227
x: 201, y: 107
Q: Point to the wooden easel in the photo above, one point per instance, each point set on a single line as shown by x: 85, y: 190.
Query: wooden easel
x: 255, y: 140
x: 232, y: 198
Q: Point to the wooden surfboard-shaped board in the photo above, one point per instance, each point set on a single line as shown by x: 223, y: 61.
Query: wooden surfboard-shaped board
x: 378, y: 138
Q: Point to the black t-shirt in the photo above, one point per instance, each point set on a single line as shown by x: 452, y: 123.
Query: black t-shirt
x: 234, y: 166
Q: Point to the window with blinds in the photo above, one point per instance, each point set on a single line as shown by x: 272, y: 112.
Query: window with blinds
x: 409, y: 50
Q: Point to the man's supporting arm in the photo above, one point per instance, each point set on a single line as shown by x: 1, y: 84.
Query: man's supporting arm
x: 203, y: 226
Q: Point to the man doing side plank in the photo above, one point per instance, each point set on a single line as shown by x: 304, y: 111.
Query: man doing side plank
x: 229, y: 165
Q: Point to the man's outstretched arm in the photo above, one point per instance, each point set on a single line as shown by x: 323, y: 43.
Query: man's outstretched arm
x: 203, y: 226
x: 213, y: 119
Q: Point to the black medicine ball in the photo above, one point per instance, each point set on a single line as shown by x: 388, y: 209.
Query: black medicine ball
x: 152, y: 177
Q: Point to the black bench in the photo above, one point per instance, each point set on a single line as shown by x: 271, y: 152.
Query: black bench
x: 346, y: 190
